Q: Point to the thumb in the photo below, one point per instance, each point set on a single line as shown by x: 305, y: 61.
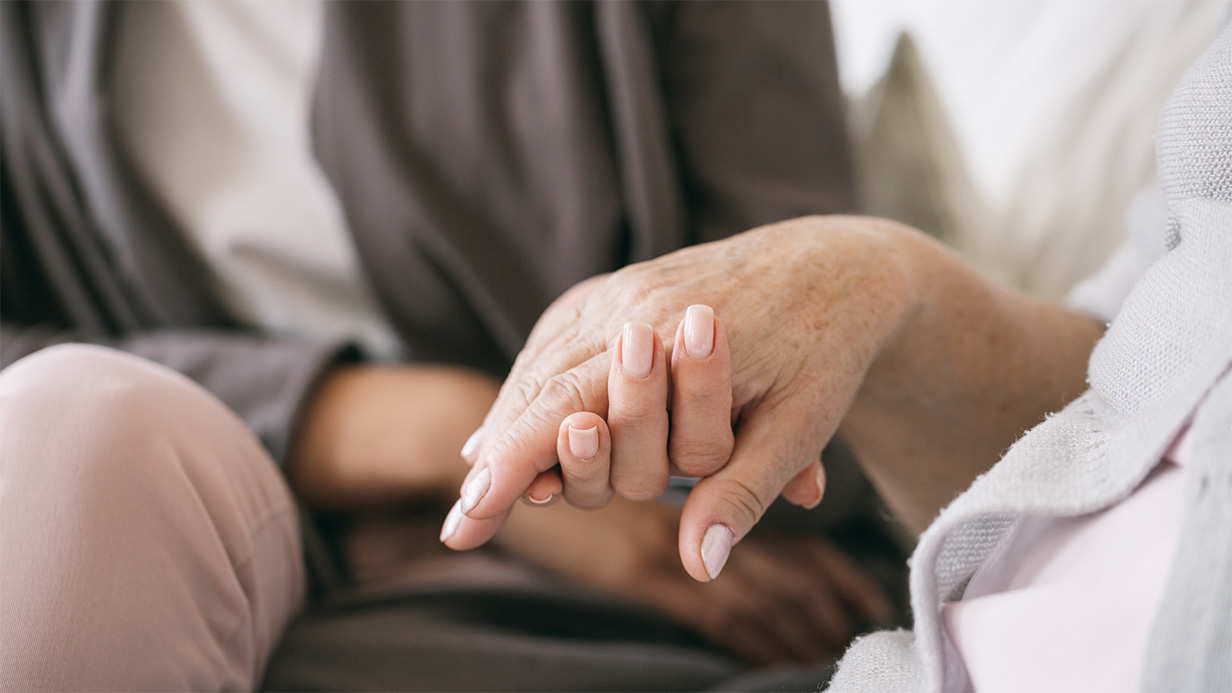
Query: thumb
x: 807, y: 487
x: 774, y: 445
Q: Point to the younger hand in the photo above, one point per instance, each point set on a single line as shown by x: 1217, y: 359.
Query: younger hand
x: 784, y: 598
x: 656, y: 425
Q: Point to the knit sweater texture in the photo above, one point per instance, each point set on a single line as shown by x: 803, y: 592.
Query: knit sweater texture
x: 1163, y: 363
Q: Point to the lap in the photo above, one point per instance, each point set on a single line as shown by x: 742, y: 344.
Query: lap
x: 146, y: 538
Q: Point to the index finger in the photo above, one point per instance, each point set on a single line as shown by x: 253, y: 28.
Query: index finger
x: 557, y: 327
x: 514, y: 458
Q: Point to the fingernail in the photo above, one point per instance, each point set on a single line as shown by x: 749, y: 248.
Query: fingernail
x: 584, y: 442
x: 820, y: 480
x: 452, y: 520
x: 716, y: 547
x: 472, y: 443
x: 699, y: 331
x: 541, y: 501
x: 637, y: 349
x: 473, y: 493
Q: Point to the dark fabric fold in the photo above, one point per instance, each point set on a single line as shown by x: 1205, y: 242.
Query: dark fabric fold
x: 491, y: 155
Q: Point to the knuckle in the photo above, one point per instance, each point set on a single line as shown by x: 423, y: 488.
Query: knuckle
x: 584, y: 474
x: 743, y: 499
x: 637, y: 413
x: 588, y: 500
x: 698, y: 465
x: 527, y: 388
x: 705, y: 395
x: 700, y: 456
x: 640, y: 487
x: 563, y: 391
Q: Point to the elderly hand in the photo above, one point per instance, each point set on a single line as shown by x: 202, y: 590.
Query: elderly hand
x: 815, y: 300
x: 931, y: 369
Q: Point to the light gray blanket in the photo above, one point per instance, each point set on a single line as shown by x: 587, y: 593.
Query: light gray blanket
x: 1164, y: 358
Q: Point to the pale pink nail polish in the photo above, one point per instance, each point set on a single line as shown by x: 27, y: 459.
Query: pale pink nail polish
x: 584, y: 443
x: 475, y: 490
x: 699, y: 331
x: 637, y: 349
x: 452, y: 520
x: 541, y: 501
x: 716, y: 547
x: 472, y: 444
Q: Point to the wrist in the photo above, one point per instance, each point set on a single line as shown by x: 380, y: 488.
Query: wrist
x: 388, y: 434
x: 937, y: 345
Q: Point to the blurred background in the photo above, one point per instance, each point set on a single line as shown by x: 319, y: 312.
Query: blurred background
x: 1020, y: 131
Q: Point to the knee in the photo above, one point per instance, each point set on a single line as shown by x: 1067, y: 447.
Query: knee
x: 96, y: 397
x: 116, y: 471
x: 93, y: 430
x: 93, y: 417
x: 81, y: 376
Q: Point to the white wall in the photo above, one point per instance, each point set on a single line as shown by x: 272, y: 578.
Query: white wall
x: 1054, y: 103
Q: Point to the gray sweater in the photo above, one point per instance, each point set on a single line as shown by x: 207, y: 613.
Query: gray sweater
x: 1165, y: 357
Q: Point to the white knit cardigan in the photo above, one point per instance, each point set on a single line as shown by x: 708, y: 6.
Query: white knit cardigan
x: 1160, y: 362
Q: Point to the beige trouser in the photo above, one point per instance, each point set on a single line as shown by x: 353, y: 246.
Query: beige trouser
x: 147, y: 541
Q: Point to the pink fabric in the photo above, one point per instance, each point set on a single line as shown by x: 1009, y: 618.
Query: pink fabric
x: 147, y: 541
x: 1069, y: 603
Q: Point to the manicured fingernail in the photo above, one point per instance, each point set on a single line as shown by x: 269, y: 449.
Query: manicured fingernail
x: 452, y: 520
x: 716, y: 547
x: 473, y: 493
x: 541, y: 501
x: 637, y: 349
x: 820, y: 480
x: 472, y: 443
x: 584, y: 442
x: 699, y: 331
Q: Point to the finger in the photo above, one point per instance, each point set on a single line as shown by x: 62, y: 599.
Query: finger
x: 807, y: 488
x: 545, y: 489
x: 775, y: 443
x: 584, y: 447
x: 477, y: 532
x: 556, y: 344
x: 701, y: 434
x: 719, y: 612
x: 637, y: 414
x: 514, y: 459
x: 828, y: 613
x: 820, y: 600
x: 789, y: 612
x: 470, y: 450
x: 857, y: 587
x: 460, y: 532
x: 735, y: 621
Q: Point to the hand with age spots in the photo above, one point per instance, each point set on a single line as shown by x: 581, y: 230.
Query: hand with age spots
x: 930, y: 368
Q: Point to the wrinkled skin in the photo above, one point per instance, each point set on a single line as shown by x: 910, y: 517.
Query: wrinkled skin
x: 826, y: 321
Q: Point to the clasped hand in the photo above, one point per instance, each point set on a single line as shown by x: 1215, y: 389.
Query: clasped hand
x: 616, y: 387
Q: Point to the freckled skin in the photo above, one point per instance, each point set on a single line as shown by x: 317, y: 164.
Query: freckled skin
x: 930, y: 369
